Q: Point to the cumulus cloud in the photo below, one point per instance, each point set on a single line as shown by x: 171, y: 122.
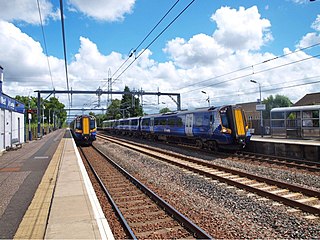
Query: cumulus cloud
x: 111, y: 10
x: 316, y: 24
x: 27, y: 11
x: 202, y: 62
x: 311, y: 38
x: 241, y: 30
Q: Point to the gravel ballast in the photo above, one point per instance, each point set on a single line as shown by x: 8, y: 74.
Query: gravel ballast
x: 233, y: 213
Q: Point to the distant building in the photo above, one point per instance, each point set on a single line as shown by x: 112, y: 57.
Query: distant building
x: 250, y: 110
x: 309, y: 99
x: 11, y: 120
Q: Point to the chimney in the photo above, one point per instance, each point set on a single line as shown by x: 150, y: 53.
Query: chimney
x: 1, y: 78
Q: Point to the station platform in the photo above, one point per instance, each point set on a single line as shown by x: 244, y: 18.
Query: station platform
x: 304, y: 149
x: 64, y: 205
x: 268, y: 138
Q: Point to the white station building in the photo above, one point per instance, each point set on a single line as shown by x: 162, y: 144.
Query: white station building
x: 12, y: 129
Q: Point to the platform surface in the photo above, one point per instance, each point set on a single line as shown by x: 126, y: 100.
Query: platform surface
x: 268, y: 138
x: 75, y: 210
x: 62, y: 203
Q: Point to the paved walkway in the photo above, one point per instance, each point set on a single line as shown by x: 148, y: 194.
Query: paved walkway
x: 66, y: 194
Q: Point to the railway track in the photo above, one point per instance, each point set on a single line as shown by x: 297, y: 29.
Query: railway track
x: 291, y: 195
x: 289, y: 162
x: 271, y: 159
x: 143, y: 214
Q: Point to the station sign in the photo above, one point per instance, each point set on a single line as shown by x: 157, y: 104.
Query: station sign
x: 9, y: 103
x: 260, y: 107
x: 32, y: 111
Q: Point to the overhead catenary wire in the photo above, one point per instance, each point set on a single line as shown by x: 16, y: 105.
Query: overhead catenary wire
x: 130, y: 54
x: 247, y: 67
x: 151, y: 31
x: 272, y: 88
x: 64, y: 50
x: 45, y: 43
x: 147, y: 47
x: 254, y: 73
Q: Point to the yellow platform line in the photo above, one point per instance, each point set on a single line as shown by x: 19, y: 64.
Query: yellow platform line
x: 34, y: 222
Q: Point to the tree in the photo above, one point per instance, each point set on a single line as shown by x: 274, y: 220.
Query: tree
x: 164, y: 110
x: 130, y: 105
x: 52, y: 106
x: 273, y: 102
x: 113, y: 111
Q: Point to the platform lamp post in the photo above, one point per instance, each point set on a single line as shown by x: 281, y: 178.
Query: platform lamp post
x: 260, y: 102
x: 29, y: 119
x: 208, y: 99
x: 43, y: 120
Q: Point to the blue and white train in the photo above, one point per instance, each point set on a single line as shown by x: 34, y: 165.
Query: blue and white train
x: 213, y: 128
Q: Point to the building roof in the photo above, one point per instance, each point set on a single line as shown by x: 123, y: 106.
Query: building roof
x: 309, y: 99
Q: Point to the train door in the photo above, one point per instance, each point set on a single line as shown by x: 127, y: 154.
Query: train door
x: 189, y: 124
x: 85, y: 126
x: 2, y: 127
x: 152, y: 125
x: 240, y: 122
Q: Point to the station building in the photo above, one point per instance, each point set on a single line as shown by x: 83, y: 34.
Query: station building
x: 12, y: 128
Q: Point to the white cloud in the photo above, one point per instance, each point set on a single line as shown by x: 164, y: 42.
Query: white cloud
x: 313, y: 37
x: 316, y: 24
x: 111, y: 10
x: 192, y: 61
x: 308, y: 40
x: 27, y: 11
x: 241, y: 30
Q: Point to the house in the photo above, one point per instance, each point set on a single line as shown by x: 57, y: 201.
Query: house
x: 309, y: 99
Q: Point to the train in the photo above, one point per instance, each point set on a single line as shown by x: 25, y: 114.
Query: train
x: 84, y: 129
x: 214, y: 128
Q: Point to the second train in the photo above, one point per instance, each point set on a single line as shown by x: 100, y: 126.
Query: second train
x: 213, y: 128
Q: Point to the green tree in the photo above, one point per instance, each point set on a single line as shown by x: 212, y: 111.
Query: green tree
x: 274, y: 102
x: 164, y: 110
x: 130, y: 105
x: 113, y: 111
x: 52, y: 106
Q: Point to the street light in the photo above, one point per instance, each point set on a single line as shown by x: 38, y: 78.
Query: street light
x: 208, y: 99
x: 43, y: 119
x: 260, y: 102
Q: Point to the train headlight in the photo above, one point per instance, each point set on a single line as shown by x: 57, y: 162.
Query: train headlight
x: 226, y: 130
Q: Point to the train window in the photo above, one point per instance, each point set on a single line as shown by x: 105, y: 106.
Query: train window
x: 198, y: 120
x: 134, y: 122
x: 171, y: 121
x: 163, y: 121
x: 206, y: 120
x: 78, y: 123
x: 92, y: 124
x: 156, y: 122
x: 145, y: 122
x: 179, y: 122
x: 224, y: 119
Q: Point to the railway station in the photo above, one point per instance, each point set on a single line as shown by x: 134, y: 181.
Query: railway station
x: 51, y: 195
x: 206, y: 128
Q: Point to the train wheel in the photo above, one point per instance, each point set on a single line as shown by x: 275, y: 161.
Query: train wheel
x: 199, y: 143
x: 213, y: 146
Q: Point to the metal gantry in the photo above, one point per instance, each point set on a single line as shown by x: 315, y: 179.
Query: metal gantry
x: 99, y: 92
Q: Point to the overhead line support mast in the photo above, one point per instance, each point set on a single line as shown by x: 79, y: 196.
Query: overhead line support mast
x: 99, y: 92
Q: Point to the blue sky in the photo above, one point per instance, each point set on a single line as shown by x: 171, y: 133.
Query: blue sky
x: 211, y: 38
